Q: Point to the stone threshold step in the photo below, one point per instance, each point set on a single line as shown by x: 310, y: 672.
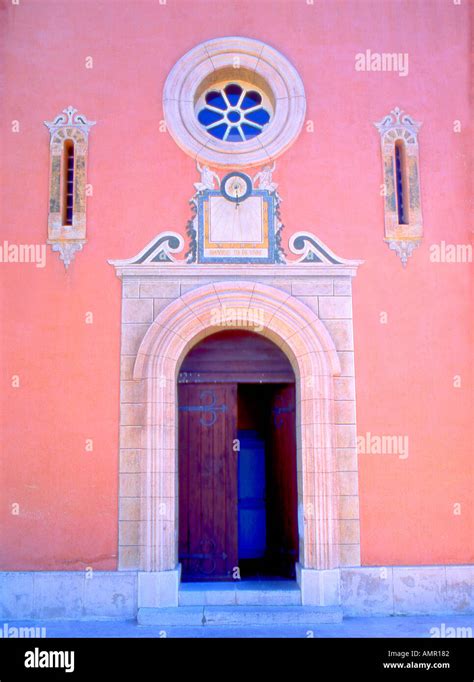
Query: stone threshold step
x: 262, y: 593
x: 239, y: 615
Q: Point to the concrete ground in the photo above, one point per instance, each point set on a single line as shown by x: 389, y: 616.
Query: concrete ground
x: 393, y: 626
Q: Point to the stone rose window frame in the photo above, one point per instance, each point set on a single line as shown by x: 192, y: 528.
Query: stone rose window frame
x: 247, y: 62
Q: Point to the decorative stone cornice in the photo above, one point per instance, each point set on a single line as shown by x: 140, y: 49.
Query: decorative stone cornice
x: 313, y: 250
x: 398, y: 119
x: 157, y: 259
x: 235, y: 271
x: 159, y: 250
x: 70, y: 117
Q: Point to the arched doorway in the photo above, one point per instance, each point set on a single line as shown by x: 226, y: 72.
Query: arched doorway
x: 179, y: 326
x: 237, y: 460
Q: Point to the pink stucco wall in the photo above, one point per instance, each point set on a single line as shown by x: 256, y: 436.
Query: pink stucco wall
x: 329, y: 179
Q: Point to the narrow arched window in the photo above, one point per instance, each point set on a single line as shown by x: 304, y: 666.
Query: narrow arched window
x: 68, y: 186
x: 401, y: 183
x: 69, y: 132
x: 401, y: 188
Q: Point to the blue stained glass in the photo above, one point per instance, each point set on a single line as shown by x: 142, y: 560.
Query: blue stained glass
x: 250, y: 131
x: 233, y: 124
x: 233, y: 116
x: 251, y: 99
x: 233, y: 93
x: 218, y: 131
x: 215, y: 99
x: 234, y: 135
x: 259, y: 116
x: 399, y: 185
x: 206, y: 117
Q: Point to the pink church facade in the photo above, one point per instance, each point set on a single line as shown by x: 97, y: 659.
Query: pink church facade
x: 352, y: 173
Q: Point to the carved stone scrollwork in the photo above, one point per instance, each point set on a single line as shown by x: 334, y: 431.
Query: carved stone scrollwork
x: 70, y: 117
x: 161, y: 249
x: 310, y: 249
x: 404, y: 249
x: 67, y: 250
x: 397, y: 119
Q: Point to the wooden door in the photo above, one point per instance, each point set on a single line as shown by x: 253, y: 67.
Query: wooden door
x: 207, y: 481
x: 282, y: 501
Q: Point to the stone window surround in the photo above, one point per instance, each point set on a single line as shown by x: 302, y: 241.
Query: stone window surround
x: 74, y: 127
x: 245, y: 60
x: 308, y: 313
x: 397, y: 126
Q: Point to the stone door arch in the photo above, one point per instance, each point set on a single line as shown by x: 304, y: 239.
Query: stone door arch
x: 296, y: 329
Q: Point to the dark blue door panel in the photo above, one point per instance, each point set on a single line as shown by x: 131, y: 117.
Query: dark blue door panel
x: 251, y: 490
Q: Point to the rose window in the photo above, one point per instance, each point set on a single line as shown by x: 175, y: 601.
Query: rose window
x: 234, y: 113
